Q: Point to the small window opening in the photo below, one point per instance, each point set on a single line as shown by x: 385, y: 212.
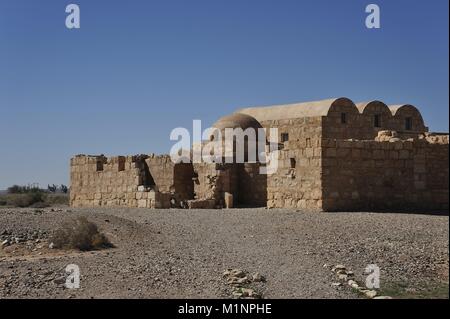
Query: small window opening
x: 377, y: 120
x: 284, y: 137
x: 293, y: 162
x: 99, y: 166
x: 408, y: 123
x: 343, y: 118
x: 121, y: 164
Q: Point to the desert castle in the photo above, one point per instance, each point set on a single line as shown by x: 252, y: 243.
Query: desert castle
x: 333, y: 155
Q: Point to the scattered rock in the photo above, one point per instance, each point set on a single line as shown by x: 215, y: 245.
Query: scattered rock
x: 353, y: 284
x: 369, y: 293
x: 342, y: 277
x: 5, y: 243
x: 257, y: 277
x: 338, y: 268
x: 239, y: 280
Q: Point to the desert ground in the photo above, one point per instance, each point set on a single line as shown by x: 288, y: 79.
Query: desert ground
x: 184, y: 253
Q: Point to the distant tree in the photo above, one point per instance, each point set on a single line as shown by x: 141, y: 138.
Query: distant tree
x: 52, y: 188
x: 15, y: 189
x: 64, y: 188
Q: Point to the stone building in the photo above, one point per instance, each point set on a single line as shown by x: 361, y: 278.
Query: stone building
x: 333, y: 155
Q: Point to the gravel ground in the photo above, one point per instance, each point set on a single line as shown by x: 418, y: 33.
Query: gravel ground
x: 183, y: 253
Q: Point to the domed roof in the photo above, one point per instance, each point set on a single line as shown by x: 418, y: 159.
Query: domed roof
x: 236, y: 120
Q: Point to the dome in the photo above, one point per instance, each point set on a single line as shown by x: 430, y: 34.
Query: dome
x: 236, y: 120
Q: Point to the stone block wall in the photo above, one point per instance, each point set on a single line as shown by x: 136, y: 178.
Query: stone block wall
x: 114, y: 181
x: 360, y: 124
x: 297, y: 182
x: 99, y: 181
x: 172, y: 178
x: 392, y: 174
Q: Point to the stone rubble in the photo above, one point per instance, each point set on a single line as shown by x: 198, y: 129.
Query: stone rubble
x: 347, y: 276
x: 239, y: 281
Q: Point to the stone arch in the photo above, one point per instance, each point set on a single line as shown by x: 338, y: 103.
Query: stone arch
x: 341, y: 120
x: 404, y: 113
x: 374, y: 116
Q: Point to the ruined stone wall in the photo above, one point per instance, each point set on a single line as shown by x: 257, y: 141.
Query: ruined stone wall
x: 382, y: 175
x: 98, y: 181
x: 297, y: 182
x: 170, y: 177
x: 115, y: 181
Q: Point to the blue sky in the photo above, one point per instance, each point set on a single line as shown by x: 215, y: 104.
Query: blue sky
x: 137, y: 69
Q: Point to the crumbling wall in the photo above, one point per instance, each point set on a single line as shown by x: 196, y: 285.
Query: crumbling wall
x: 170, y: 177
x: 116, y: 181
x: 387, y: 173
x: 99, y: 181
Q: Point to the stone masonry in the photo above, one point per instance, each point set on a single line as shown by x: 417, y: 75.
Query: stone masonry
x: 334, y: 155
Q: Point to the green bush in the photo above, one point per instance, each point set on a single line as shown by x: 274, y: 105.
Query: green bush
x: 80, y: 234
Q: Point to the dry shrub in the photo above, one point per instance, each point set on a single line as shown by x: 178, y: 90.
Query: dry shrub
x: 80, y: 234
x: 25, y: 200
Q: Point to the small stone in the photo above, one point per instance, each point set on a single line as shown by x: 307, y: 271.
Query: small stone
x: 5, y: 243
x: 342, y: 277
x: 237, y: 273
x: 353, y: 284
x: 382, y: 297
x: 51, y: 246
x: 338, y: 267
x: 370, y: 293
x: 336, y: 284
x: 257, y: 277
x: 247, y: 292
x: 237, y: 294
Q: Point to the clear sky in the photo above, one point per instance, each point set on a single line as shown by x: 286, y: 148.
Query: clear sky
x: 137, y: 69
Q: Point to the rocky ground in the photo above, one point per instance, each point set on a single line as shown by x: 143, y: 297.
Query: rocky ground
x: 206, y: 253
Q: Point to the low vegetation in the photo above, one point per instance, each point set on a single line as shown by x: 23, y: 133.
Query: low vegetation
x: 80, y: 234
x: 32, y: 196
x: 429, y: 290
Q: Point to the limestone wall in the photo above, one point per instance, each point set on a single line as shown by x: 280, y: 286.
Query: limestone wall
x: 361, y: 124
x: 98, y: 181
x: 297, y: 182
x: 115, y: 181
x: 391, y: 174
x: 170, y: 177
